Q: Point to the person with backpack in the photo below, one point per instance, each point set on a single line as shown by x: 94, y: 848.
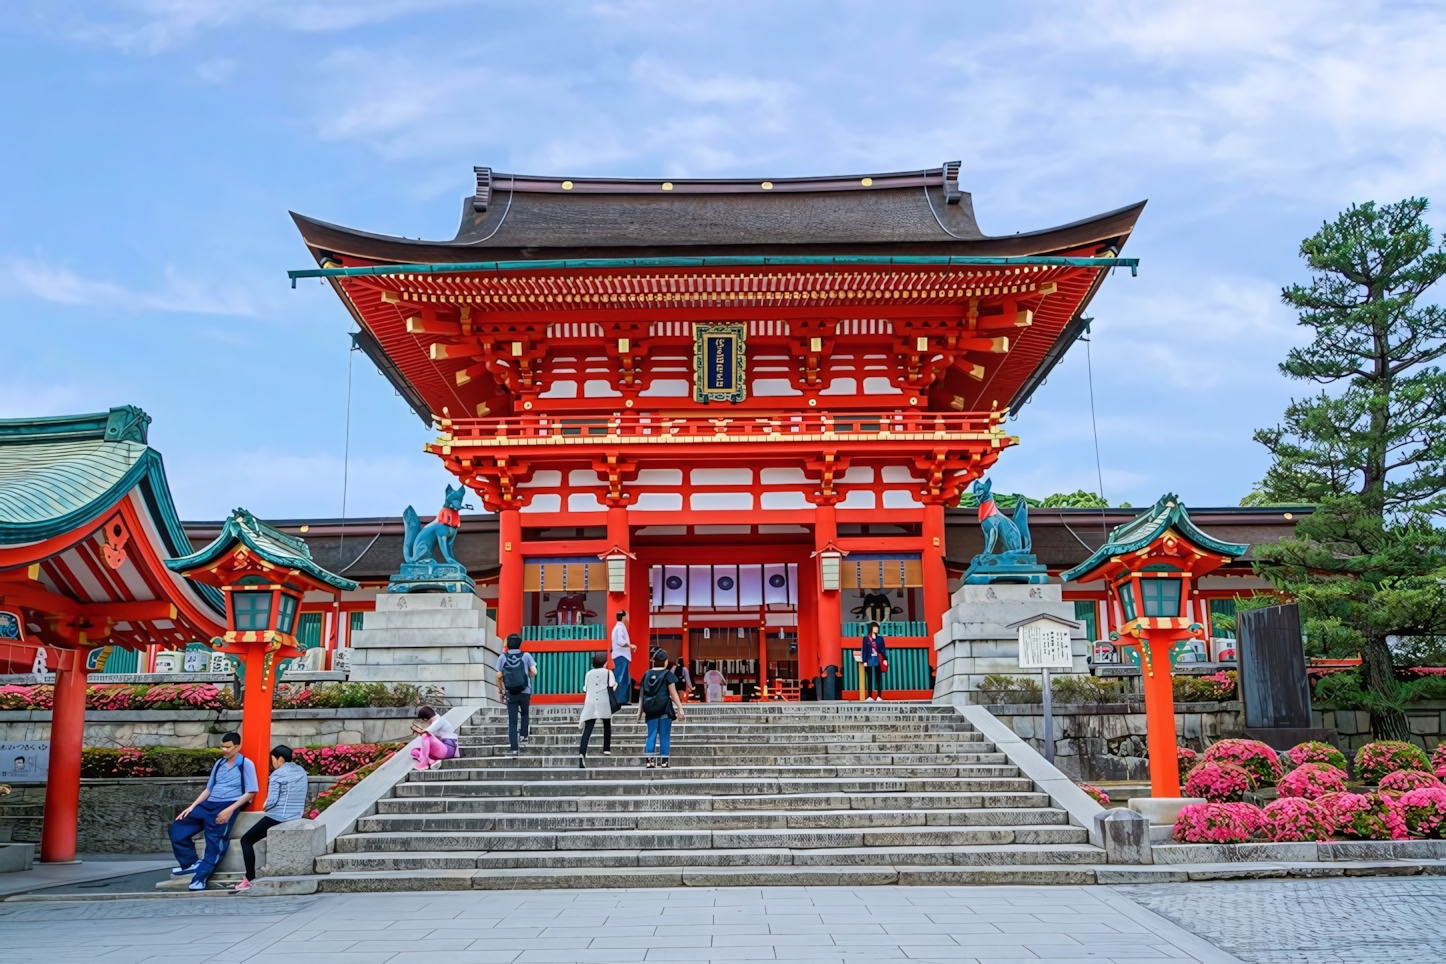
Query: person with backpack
x: 599, y: 690
x: 873, y: 663
x: 230, y: 787
x: 515, y: 670
x: 659, y: 705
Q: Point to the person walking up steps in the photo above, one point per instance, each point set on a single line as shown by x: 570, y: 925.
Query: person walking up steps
x: 622, y: 657
x: 659, y: 704
x: 285, y: 800
x: 515, y: 670
x: 597, y: 705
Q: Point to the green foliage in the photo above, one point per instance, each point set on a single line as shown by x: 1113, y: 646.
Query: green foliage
x: 1004, y: 688
x: 1079, y: 499
x: 1344, y: 691
x: 293, y: 696
x: 158, y: 761
x: 1258, y: 600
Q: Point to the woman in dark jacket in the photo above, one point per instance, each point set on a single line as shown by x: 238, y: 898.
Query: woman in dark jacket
x: 873, y: 657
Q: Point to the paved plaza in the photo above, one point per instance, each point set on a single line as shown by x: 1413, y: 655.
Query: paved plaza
x: 1402, y: 921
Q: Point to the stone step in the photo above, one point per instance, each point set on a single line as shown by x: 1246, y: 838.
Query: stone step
x: 761, y: 838
x: 622, y: 769
x: 987, y: 855
x: 803, y: 802
x: 737, y: 787
x: 671, y: 820
x: 919, y: 764
x: 843, y: 732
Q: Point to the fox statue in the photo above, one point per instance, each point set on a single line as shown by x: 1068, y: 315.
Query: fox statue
x: 1013, y: 536
x: 424, y: 543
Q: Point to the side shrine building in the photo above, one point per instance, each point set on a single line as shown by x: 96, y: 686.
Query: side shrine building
x: 736, y: 409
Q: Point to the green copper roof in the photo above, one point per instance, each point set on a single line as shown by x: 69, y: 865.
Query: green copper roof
x: 1168, y: 513
x: 62, y: 474
x: 270, y: 543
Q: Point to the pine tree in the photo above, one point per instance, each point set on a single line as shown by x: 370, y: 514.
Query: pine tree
x: 1371, y: 450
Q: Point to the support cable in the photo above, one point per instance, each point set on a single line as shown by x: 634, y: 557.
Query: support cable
x: 1094, y: 426
x: 346, y: 454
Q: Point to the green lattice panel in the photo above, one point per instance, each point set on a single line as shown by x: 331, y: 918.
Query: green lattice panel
x: 891, y: 628
x: 564, y: 632
x: 908, y: 670
x: 561, y: 673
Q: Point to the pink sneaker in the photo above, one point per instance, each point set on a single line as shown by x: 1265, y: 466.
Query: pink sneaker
x: 244, y: 884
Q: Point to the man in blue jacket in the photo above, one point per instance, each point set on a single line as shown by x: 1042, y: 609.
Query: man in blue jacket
x: 873, y: 656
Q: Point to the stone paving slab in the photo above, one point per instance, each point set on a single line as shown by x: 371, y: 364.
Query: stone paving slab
x: 570, y: 926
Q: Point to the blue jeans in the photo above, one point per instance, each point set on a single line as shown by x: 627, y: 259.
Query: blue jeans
x: 202, y: 819
x: 624, y: 680
x: 517, y: 703
x: 660, y: 731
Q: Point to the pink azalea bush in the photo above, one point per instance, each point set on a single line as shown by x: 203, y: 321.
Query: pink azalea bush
x: 1260, y: 760
x: 1405, y: 780
x: 1311, y: 781
x: 1096, y: 794
x: 1219, y: 782
x: 333, y: 761
x: 1368, y: 816
x: 1424, y: 811
x: 1218, y: 823
x: 1375, y: 760
x: 1317, y: 752
x: 27, y: 697
x: 1438, y: 760
x: 1187, y: 759
x: 1292, y: 819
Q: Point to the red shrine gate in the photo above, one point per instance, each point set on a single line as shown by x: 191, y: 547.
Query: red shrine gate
x: 676, y: 394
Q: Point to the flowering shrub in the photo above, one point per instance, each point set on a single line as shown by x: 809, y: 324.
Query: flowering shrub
x: 1096, y: 794
x: 1187, y: 759
x: 1317, y: 752
x: 1218, y: 782
x: 301, y: 696
x: 1294, y: 818
x: 27, y: 697
x: 1260, y: 760
x: 1438, y: 760
x: 1369, y: 816
x: 1403, y: 780
x: 127, y: 762
x: 1218, y: 823
x: 1311, y: 781
x: 1375, y: 760
x: 1424, y: 811
x: 338, y: 789
x: 1205, y: 689
x: 337, y: 760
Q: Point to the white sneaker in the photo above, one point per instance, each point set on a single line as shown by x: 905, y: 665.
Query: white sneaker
x: 183, y: 871
x: 196, y: 885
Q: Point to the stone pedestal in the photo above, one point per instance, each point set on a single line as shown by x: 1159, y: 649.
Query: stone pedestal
x: 975, y: 641
x: 429, y: 639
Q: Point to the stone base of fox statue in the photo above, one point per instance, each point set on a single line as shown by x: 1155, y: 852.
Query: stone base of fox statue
x: 429, y: 639
x: 976, y: 640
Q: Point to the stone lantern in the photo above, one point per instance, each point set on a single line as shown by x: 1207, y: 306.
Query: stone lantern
x: 1150, y: 566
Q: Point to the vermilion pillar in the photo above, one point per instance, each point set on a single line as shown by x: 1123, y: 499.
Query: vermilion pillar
x: 509, y: 580
x: 807, y: 628
x: 67, y: 735
x: 636, y: 603
x: 830, y: 657
x: 936, y: 579
x: 259, y: 660
x: 1160, y: 735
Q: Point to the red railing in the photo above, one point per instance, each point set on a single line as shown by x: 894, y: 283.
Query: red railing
x: 641, y: 425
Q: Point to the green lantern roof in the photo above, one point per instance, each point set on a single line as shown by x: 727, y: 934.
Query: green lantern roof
x: 268, y: 542
x: 1168, y: 513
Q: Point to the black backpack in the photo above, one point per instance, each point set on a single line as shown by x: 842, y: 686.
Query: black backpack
x: 514, y: 672
x: 655, y: 701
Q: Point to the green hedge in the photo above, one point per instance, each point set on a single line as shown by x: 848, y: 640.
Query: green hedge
x: 155, y: 761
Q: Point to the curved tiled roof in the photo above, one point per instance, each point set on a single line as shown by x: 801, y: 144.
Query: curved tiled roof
x: 1167, y: 513
x: 268, y: 542
x: 527, y: 217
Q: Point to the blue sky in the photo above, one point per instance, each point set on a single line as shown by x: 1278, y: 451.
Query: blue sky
x: 154, y: 148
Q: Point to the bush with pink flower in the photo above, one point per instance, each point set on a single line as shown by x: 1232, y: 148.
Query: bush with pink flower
x: 1218, y: 823
x: 1424, y: 811
x: 1219, y: 782
x: 1368, y: 816
x: 1096, y: 794
x: 1403, y: 780
x: 1292, y: 819
x: 1315, y: 751
x: 1311, y: 781
x: 1438, y: 760
x: 1187, y: 759
x: 333, y: 761
x: 1375, y: 760
x: 1261, y: 761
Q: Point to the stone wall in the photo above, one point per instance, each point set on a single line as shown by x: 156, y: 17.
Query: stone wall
x: 203, y: 728
x: 116, y: 816
x: 1106, y: 742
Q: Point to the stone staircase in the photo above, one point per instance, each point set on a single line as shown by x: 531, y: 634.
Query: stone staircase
x: 778, y: 793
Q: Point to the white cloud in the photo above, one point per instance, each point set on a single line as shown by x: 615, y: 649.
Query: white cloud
x: 37, y: 278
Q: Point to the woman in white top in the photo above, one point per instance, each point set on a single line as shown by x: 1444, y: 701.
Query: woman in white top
x: 713, y: 682
x: 439, y: 739
x: 596, y: 706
